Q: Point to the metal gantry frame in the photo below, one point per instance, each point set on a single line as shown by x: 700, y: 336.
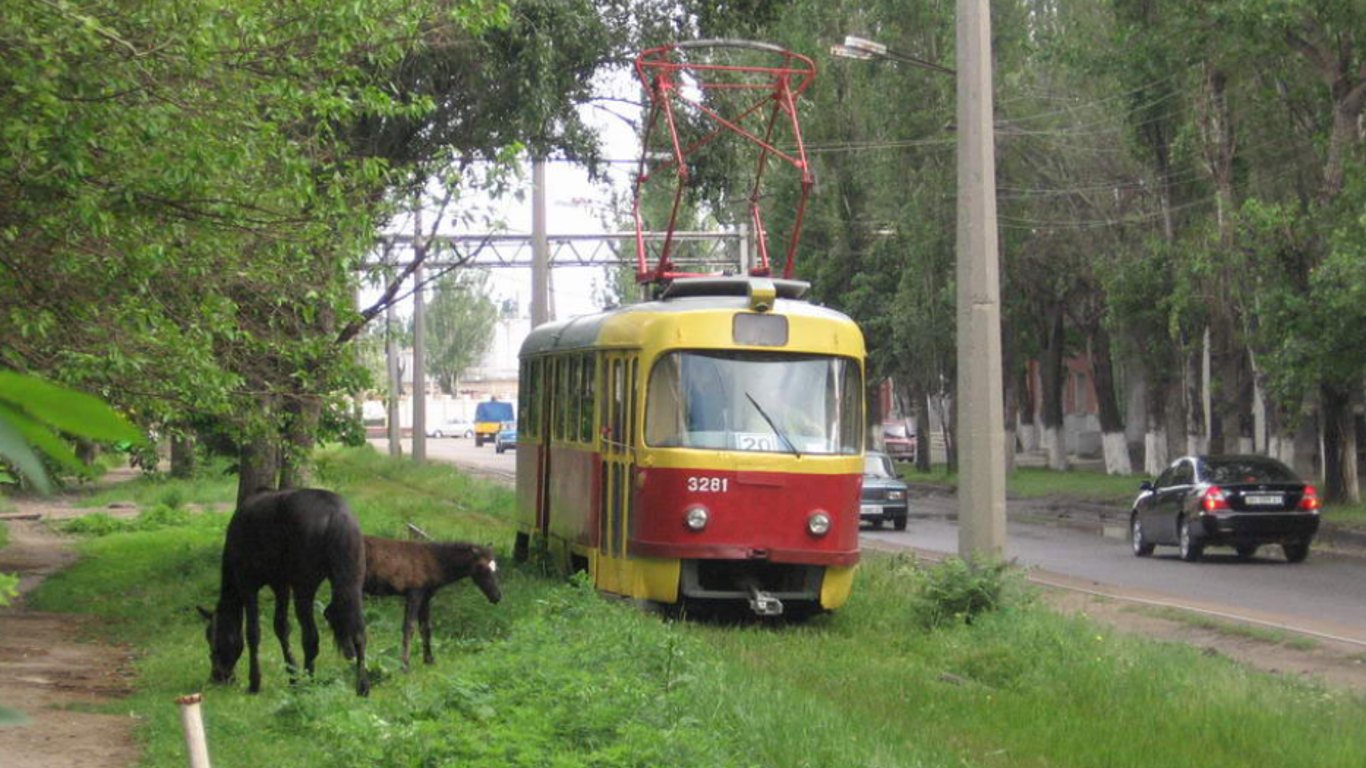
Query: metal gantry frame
x: 713, y: 251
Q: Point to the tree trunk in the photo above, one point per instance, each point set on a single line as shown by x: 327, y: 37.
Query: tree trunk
x: 1113, y: 439
x: 948, y: 421
x: 922, y: 431
x: 1192, y: 398
x: 872, y: 417
x: 1053, y: 370
x: 296, y: 458
x: 1012, y: 407
x: 1028, y: 410
x: 182, y: 455
x: 1155, y: 436
x: 258, y: 467
x: 1339, y: 445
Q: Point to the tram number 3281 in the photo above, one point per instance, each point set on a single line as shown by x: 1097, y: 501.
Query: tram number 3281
x: 708, y: 484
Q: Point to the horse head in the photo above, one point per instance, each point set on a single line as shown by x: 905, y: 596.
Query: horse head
x: 484, y: 572
x: 225, y: 645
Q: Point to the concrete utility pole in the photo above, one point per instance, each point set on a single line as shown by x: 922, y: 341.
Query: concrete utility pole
x: 540, y: 247
x: 981, y: 410
x: 419, y: 342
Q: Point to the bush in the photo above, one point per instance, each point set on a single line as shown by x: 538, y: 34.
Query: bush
x: 957, y: 590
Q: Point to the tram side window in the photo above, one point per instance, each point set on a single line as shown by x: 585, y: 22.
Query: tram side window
x: 586, y: 399
x: 631, y: 403
x: 557, y: 398
x: 617, y: 390
x: 530, y: 393
x: 569, y: 398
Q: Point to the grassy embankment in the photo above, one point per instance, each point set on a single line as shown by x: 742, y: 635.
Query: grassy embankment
x: 1097, y: 487
x: 556, y: 675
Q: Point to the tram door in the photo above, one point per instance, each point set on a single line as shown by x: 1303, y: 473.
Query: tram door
x: 545, y: 379
x: 618, y: 427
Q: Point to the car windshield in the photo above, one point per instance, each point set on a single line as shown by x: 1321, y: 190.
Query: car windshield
x: 894, y: 430
x: 877, y: 466
x: 1231, y: 470
x: 493, y: 411
x: 755, y: 401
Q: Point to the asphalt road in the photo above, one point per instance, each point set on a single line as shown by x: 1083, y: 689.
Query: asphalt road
x: 1326, y: 594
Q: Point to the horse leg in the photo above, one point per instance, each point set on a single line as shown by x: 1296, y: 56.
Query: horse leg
x: 362, y: 675
x: 413, y: 601
x: 253, y: 642
x: 424, y: 617
x: 308, y: 627
x: 282, y: 628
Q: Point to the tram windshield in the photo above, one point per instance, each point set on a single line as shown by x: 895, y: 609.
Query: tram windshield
x: 755, y: 401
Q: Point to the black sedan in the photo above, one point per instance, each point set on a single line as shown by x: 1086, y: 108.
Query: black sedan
x: 1237, y: 501
x: 884, y: 494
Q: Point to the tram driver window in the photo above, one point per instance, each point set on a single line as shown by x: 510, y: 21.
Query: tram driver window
x: 754, y: 401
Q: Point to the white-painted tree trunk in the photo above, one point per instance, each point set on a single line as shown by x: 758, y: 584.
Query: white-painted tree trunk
x: 1029, y: 437
x: 1057, y: 450
x: 1281, y: 448
x: 1116, y: 447
x: 1155, y: 452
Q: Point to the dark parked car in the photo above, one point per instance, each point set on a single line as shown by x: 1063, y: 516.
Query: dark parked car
x: 1237, y: 501
x: 884, y: 494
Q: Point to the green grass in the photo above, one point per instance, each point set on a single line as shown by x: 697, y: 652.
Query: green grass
x: 557, y: 675
x: 213, y: 485
x: 1350, y: 515
x: 1032, y: 482
x: 1231, y: 628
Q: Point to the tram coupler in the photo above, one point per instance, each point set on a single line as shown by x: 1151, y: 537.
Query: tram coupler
x: 764, y: 604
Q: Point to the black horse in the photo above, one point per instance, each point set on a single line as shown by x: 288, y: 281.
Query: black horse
x: 417, y: 569
x: 289, y: 541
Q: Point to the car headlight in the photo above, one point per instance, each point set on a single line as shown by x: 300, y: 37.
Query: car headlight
x: 896, y: 495
x: 695, y: 518
x: 818, y: 524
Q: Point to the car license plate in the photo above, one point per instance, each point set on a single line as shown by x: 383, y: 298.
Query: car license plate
x: 869, y: 509
x: 1263, y: 500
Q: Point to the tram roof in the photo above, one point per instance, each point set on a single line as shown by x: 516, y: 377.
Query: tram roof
x: 677, y: 303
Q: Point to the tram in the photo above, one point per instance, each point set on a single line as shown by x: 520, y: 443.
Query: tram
x: 703, y: 447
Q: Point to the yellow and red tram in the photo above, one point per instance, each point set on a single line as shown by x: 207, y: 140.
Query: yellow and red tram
x: 706, y: 446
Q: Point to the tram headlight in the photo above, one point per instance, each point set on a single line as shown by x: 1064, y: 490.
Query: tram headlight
x: 818, y: 524
x: 695, y: 518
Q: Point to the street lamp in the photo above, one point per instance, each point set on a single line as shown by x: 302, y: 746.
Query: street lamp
x: 980, y: 402
x: 864, y: 49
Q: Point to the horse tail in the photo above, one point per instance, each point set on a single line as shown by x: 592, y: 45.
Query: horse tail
x: 345, y: 614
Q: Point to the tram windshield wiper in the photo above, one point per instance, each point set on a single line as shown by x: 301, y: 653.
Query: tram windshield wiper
x: 776, y: 430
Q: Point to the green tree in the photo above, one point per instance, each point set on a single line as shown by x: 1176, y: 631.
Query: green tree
x: 460, y: 323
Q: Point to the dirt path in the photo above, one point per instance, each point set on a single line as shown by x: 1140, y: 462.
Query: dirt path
x: 47, y: 672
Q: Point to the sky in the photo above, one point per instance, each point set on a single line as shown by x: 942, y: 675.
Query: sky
x: 574, y: 205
